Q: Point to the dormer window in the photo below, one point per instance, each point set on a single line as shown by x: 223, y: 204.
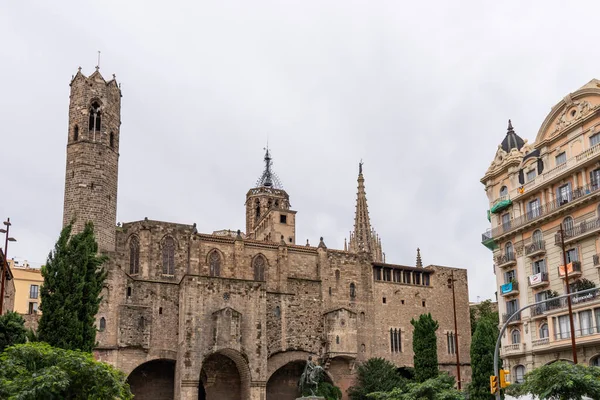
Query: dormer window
x: 503, y: 191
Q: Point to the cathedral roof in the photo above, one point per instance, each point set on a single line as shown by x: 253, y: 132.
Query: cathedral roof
x: 511, y: 140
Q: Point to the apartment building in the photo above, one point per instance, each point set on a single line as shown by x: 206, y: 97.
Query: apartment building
x: 532, y: 190
x: 27, y: 282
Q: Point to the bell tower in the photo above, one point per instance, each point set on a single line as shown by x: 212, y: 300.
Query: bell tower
x: 268, y: 213
x: 93, y: 156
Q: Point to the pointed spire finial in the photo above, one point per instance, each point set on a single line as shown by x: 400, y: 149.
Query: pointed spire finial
x: 419, y: 262
x: 360, y: 164
x: 510, y: 127
x: 98, y: 65
x: 79, y: 69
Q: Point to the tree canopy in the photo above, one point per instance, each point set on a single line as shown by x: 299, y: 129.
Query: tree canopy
x: 375, y: 375
x: 483, y: 310
x: 483, y: 345
x: 560, y: 381
x: 439, y: 388
x: 12, y: 330
x: 425, y: 347
x: 73, y: 280
x: 38, y: 371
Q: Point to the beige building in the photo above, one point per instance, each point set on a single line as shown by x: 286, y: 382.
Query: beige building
x: 27, y: 283
x: 234, y: 315
x: 532, y: 190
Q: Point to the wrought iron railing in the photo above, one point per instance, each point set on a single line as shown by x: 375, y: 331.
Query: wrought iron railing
x: 577, y: 230
x: 573, y: 266
x: 505, y: 258
x: 515, y: 319
x: 509, y: 287
x: 542, y: 210
x: 535, y: 247
x: 562, y: 303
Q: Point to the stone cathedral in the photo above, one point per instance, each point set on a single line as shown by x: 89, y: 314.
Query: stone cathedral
x: 232, y: 315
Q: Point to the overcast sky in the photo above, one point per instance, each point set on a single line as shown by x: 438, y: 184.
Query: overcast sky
x: 421, y: 91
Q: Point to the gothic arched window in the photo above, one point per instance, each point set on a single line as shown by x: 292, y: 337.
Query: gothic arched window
x: 95, y: 117
x: 352, y: 290
x: 134, y: 255
x: 257, y: 207
x: 168, y: 253
x: 102, y: 324
x: 259, y: 268
x: 214, y: 263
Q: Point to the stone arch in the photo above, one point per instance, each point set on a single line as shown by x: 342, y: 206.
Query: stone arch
x: 260, y: 265
x: 283, y: 373
x: 225, y: 375
x: 133, y: 249
x: 154, y: 379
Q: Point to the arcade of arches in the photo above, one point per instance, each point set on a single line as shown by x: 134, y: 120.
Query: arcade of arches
x: 220, y: 379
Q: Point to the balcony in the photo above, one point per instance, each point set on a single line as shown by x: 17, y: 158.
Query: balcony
x: 511, y: 348
x: 542, y: 211
x: 568, y: 166
x: 573, y: 268
x: 515, y: 320
x: 509, y: 289
x: 536, y: 248
x: 578, y: 231
x: 538, y: 280
x: 501, y: 204
x: 506, y: 260
x: 540, y: 342
x: 560, y: 304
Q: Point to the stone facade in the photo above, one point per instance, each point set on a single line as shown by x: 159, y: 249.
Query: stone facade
x: 189, y: 315
x: 8, y: 302
x: 533, y: 189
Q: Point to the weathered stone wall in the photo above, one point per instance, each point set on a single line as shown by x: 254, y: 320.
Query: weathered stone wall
x: 92, y: 158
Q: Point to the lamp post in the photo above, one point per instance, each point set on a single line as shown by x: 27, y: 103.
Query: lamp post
x: 451, y: 285
x: 5, y: 263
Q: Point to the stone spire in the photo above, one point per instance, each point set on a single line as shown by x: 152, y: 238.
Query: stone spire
x: 419, y: 262
x: 364, y: 238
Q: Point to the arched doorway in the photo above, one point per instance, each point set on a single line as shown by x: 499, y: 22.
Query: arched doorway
x: 220, y: 379
x: 283, y: 384
x: 153, y: 380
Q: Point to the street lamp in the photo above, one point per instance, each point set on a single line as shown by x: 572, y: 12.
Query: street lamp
x: 5, y: 263
x: 451, y: 281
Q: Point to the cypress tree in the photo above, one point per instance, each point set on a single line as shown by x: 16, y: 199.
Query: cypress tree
x: 482, y: 358
x: 425, y: 347
x: 73, y: 279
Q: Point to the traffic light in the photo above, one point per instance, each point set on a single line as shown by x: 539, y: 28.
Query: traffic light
x: 493, y: 384
x: 504, y: 378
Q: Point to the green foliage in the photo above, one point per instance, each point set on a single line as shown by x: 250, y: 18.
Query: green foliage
x: 483, y: 345
x: 425, y: 347
x: 560, y: 381
x: 327, y: 390
x: 482, y: 310
x: 38, y: 371
x: 439, y: 388
x: 375, y: 375
x: 582, y: 284
x: 31, y: 335
x: 73, y: 279
x: 12, y: 330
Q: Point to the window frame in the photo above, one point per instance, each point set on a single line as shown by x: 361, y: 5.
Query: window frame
x: 560, y: 159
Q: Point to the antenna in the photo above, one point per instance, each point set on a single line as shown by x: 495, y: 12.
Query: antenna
x: 98, y: 65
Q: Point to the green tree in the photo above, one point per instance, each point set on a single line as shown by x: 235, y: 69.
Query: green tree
x: 328, y: 391
x: 439, y: 388
x: 425, y: 347
x: 375, y: 375
x: 73, y: 279
x: 38, y: 371
x: 482, y: 358
x: 482, y: 310
x: 12, y: 330
x: 560, y: 381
